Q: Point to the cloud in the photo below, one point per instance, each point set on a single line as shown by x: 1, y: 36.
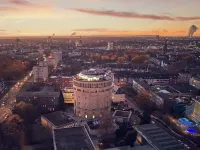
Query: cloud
x: 122, y: 14
x: 25, y: 3
x: 2, y: 30
x: 114, y: 32
x: 164, y: 30
x: 180, y: 31
x: 98, y: 30
x: 18, y: 21
x: 9, y: 9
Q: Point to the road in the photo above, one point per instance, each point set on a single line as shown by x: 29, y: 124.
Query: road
x: 164, y: 126
x: 7, y: 101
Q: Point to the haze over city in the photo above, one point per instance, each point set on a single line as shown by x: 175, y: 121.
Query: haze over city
x: 99, y: 75
x: 98, y: 17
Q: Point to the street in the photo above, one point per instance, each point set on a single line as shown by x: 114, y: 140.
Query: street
x: 7, y: 101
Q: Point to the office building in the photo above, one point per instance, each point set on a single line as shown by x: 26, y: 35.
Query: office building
x: 61, y: 82
x: 46, y: 98
x: 110, y: 46
x: 76, y: 138
x: 40, y: 72
x: 57, y: 120
x: 93, y: 92
x: 141, y: 87
x: 68, y: 94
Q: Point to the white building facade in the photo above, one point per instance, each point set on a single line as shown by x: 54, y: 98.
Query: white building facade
x: 40, y: 72
x: 93, y: 93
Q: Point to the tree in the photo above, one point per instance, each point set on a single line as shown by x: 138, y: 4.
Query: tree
x: 145, y: 103
x: 146, y: 118
x: 12, y: 132
x: 140, y: 58
x: 178, y: 110
x: 130, y: 138
x: 106, y: 123
x: 121, y: 132
x: 121, y: 59
x: 26, y: 111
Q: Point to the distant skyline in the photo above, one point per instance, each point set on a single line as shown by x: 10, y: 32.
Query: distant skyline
x: 98, y: 17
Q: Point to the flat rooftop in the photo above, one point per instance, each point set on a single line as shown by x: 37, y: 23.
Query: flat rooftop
x: 75, y: 138
x: 58, y: 118
x: 34, y: 89
x: 141, y: 147
x: 185, y: 88
x: 96, y: 74
x: 124, y: 114
x: 158, y: 138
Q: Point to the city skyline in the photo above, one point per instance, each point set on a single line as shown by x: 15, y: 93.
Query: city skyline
x: 98, y: 17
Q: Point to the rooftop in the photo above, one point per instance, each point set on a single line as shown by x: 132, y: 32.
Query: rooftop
x: 34, y: 89
x: 143, y: 147
x: 94, y: 75
x: 185, y: 88
x: 158, y: 138
x: 75, y: 138
x: 58, y: 118
x: 124, y: 114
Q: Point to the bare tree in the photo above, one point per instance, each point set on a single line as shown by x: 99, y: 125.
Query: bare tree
x: 106, y: 123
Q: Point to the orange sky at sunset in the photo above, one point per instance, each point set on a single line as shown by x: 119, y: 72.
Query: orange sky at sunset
x: 98, y: 17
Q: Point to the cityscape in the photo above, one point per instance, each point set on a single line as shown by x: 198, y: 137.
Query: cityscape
x: 96, y: 75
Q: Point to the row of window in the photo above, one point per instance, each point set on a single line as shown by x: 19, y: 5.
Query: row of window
x: 85, y: 91
x: 93, y: 106
x: 90, y: 85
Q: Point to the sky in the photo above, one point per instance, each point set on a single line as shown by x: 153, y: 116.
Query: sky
x: 98, y: 17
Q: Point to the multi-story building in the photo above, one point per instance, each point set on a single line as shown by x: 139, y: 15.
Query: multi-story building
x: 40, y: 72
x: 57, y: 120
x: 46, y: 98
x: 140, y: 86
x: 75, y: 138
x: 93, y: 93
x: 68, y: 94
x: 61, y: 82
x: 110, y: 46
